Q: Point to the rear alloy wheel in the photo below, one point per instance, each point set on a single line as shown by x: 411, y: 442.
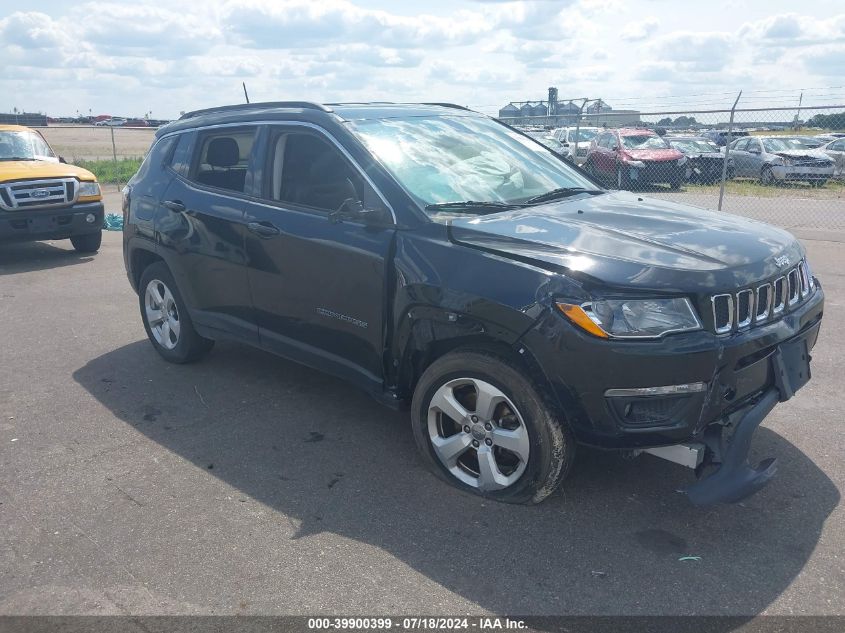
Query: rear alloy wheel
x: 481, y: 426
x: 89, y: 243
x: 166, y: 318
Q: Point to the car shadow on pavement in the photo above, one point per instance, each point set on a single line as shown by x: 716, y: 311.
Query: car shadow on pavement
x: 324, y: 457
x: 26, y: 257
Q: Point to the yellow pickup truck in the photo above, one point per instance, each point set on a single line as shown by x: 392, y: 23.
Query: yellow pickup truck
x: 44, y: 198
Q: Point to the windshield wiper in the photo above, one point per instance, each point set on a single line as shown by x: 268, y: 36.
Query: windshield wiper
x: 561, y: 192
x: 472, y: 206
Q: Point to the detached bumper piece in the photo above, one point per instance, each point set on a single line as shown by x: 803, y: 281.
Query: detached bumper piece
x: 735, y: 479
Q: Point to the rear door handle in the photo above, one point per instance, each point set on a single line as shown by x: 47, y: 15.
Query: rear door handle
x: 263, y: 229
x: 174, y: 205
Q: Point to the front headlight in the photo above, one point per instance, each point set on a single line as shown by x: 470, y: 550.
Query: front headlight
x: 682, y: 160
x: 637, y: 164
x: 633, y: 318
x: 88, y: 189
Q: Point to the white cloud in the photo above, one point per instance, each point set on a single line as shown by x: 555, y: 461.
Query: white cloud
x: 791, y: 29
x: 638, y: 31
x: 827, y: 61
x: 146, y: 30
x: 481, y: 53
x: 291, y: 23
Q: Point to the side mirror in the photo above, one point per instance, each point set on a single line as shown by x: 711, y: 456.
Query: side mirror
x: 62, y: 159
x: 351, y: 209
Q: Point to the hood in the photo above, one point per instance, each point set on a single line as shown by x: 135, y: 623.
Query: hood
x: 654, y: 154
x: 623, y: 240
x: 36, y: 169
x: 812, y: 154
x: 717, y: 155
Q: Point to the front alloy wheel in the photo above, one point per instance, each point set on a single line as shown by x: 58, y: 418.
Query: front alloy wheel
x: 478, y: 434
x: 767, y: 176
x: 481, y: 425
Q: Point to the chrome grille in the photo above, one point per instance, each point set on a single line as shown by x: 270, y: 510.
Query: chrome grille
x: 32, y: 194
x: 753, y: 306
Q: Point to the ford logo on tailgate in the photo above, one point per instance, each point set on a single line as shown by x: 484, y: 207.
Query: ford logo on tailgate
x: 39, y: 193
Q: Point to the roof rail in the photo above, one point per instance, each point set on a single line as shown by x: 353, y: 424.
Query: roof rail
x: 256, y: 106
x: 448, y: 105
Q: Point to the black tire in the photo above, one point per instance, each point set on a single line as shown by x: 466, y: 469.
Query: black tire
x: 767, y: 176
x: 552, y: 446
x: 189, y: 345
x: 89, y: 243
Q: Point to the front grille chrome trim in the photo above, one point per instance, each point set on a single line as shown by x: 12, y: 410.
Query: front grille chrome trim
x: 37, y: 194
x: 792, y: 287
x: 765, y: 313
x: 794, y: 282
x: 779, y: 285
x: 740, y: 322
x: 729, y: 325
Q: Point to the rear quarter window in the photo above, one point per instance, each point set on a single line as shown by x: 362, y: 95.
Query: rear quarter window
x: 159, y: 153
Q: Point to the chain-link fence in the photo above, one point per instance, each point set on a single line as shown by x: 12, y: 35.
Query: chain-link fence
x: 781, y: 165
x: 112, y: 153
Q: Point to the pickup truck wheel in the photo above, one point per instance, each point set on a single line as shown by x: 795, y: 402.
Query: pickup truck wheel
x: 481, y: 426
x: 166, y: 318
x: 89, y: 243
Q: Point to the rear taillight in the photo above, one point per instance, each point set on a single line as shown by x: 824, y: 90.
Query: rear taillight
x: 126, y: 191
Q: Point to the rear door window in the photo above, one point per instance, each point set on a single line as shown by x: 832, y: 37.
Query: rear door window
x: 222, y: 159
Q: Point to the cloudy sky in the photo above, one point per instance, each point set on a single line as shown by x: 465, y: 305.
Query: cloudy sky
x: 128, y: 58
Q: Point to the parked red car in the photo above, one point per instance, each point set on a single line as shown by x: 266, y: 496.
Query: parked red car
x: 629, y: 156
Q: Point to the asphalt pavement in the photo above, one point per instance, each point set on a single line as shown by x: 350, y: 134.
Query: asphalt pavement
x: 248, y: 484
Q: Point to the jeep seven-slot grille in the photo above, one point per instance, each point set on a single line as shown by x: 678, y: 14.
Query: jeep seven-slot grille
x: 753, y: 306
x: 32, y: 194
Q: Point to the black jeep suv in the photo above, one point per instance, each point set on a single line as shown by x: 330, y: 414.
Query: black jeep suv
x: 435, y: 256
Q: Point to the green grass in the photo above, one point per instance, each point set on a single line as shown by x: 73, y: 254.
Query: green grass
x: 833, y: 189
x: 111, y: 172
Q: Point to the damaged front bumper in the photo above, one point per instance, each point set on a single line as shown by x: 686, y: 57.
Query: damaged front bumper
x: 728, y: 444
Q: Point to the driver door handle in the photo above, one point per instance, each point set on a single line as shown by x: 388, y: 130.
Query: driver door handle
x: 174, y: 205
x: 263, y: 229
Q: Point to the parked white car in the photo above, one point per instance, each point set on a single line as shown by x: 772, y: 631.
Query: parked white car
x: 836, y: 150
x: 774, y: 159
x: 566, y: 137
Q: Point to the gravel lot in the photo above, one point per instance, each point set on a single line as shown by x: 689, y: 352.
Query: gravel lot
x: 76, y: 142
x: 248, y: 484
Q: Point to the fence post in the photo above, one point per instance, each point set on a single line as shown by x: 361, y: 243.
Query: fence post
x: 727, y: 151
x: 114, y: 157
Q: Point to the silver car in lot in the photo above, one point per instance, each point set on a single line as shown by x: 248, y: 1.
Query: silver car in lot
x: 836, y: 150
x: 566, y: 136
x: 774, y: 159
